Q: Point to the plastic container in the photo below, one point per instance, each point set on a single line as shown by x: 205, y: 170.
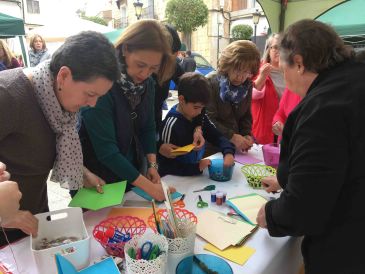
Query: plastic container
x: 218, y: 172
x: 271, y: 154
x: 67, y: 222
x: 121, y: 225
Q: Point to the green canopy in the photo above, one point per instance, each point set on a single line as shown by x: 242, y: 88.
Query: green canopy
x: 281, y: 13
x: 113, y: 35
x: 10, y: 26
x: 348, y: 19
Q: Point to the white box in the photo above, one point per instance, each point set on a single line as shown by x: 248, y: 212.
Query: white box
x: 67, y: 222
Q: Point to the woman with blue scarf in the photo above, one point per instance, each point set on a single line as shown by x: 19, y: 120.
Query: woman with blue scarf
x: 38, y: 50
x: 230, y: 105
x: 119, y: 135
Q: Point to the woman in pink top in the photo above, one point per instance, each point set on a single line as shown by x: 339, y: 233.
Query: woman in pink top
x: 288, y: 102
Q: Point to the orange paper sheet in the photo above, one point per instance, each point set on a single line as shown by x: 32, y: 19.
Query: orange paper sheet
x: 140, y: 212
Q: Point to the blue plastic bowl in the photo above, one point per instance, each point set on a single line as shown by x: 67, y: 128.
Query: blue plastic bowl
x: 218, y: 173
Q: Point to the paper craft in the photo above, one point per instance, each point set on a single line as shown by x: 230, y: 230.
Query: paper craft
x: 143, y: 194
x: 142, y: 213
x: 245, y: 158
x: 182, y: 150
x: 91, y: 199
x: 221, y: 230
x: 236, y: 254
x: 105, y: 266
x: 247, y: 206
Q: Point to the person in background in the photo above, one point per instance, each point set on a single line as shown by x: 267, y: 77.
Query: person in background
x: 268, y: 89
x: 7, y: 58
x: 20, y: 60
x: 10, y: 215
x: 179, y: 126
x: 119, y: 133
x: 38, y: 50
x: 188, y: 64
x: 229, y: 107
x: 288, y: 102
x: 322, y: 152
x: 38, y: 108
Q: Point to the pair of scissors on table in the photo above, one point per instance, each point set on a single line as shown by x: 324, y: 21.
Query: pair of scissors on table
x: 149, y: 251
x: 180, y: 203
x: 201, y: 203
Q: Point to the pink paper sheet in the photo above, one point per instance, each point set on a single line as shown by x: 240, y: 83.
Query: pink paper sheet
x: 245, y: 158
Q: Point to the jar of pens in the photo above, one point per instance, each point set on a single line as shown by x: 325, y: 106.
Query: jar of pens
x: 179, y: 227
x: 146, y: 254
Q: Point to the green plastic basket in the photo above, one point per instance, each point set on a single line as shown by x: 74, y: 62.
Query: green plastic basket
x: 254, y: 173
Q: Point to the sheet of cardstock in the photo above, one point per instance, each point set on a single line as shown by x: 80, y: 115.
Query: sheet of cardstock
x: 183, y: 150
x: 146, y: 196
x: 140, y: 212
x: 245, y: 158
x: 236, y: 254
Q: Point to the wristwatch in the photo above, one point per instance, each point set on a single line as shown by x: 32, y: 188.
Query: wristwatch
x: 152, y: 164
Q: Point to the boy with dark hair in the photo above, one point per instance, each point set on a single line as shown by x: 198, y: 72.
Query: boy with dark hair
x: 179, y: 125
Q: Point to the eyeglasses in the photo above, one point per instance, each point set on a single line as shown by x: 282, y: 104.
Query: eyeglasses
x: 274, y: 47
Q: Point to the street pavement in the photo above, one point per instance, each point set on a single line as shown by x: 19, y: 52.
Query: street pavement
x: 59, y: 198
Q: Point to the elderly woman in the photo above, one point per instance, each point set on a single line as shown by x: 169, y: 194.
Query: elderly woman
x: 119, y: 133
x: 322, y: 152
x: 7, y: 58
x: 230, y: 104
x: 268, y: 89
x: 38, y: 50
x: 38, y: 119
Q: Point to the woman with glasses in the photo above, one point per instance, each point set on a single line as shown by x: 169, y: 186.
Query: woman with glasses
x: 269, y: 86
x: 230, y: 104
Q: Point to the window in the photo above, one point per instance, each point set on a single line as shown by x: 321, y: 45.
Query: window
x: 33, y: 6
x: 200, y: 61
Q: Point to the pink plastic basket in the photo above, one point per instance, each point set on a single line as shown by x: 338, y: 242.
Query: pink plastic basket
x: 271, y: 154
x: 127, y: 225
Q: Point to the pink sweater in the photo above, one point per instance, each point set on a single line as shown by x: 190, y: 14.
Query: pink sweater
x: 288, y: 102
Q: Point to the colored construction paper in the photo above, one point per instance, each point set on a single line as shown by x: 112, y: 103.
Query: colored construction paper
x: 91, y: 199
x: 143, y: 194
x: 245, y: 158
x: 182, y: 150
x: 105, y: 266
x: 236, y: 254
x: 140, y: 212
x: 247, y: 206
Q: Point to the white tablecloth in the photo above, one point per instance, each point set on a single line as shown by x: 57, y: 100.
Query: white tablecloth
x: 273, y: 255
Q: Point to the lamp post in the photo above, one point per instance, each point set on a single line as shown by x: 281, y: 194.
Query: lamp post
x: 138, y: 8
x: 255, y: 20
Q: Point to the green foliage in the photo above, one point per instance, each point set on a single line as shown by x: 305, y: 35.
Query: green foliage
x: 95, y: 19
x: 241, y: 32
x: 187, y: 15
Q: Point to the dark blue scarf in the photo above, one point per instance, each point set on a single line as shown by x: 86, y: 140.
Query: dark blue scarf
x: 230, y: 93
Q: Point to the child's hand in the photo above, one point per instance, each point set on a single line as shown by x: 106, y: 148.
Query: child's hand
x: 228, y: 160
x: 203, y: 164
x: 166, y: 150
x: 199, y: 140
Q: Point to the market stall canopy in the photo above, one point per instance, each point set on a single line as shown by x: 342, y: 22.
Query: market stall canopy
x: 10, y: 26
x: 281, y: 13
x: 58, y: 30
x: 113, y: 35
x: 348, y: 19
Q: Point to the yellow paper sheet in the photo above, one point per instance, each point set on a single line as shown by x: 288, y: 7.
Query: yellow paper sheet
x: 140, y: 212
x: 238, y: 255
x: 220, y: 230
x: 183, y: 150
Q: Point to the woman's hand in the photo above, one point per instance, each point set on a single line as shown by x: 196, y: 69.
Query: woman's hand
x: 277, y: 128
x: 9, y: 199
x: 157, y: 192
x: 23, y: 220
x: 153, y: 176
x: 228, y: 160
x: 203, y: 164
x: 270, y: 184
x: 92, y: 180
x: 261, y: 217
x: 166, y: 150
x: 198, y: 139
x: 242, y: 143
x: 4, y: 175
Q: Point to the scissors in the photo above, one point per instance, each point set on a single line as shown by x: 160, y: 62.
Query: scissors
x: 201, y: 203
x: 149, y: 251
x: 180, y: 203
x: 207, y: 188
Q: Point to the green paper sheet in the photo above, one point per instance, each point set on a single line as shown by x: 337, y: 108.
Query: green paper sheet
x: 91, y: 199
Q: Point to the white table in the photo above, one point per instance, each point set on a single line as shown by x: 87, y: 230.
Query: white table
x: 273, y: 255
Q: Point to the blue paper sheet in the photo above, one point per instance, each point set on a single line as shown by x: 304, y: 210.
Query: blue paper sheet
x: 105, y: 266
x: 144, y: 195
